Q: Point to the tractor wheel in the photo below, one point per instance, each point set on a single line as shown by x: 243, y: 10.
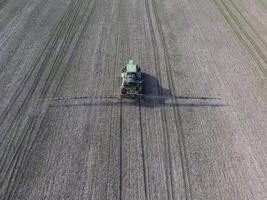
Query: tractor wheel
x: 140, y: 89
x: 123, y: 90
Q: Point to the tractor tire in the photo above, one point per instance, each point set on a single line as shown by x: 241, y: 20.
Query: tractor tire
x: 140, y: 89
x: 123, y: 90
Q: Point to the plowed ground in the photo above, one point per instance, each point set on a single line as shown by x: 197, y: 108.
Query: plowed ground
x: 206, y: 140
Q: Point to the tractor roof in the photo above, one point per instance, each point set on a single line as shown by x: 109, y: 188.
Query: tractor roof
x: 130, y: 62
x: 131, y: 68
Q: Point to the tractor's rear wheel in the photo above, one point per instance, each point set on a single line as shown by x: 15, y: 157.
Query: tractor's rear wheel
x: 140, y: 89
x: 123, y: 90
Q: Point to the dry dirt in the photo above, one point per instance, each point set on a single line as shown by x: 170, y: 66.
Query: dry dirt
x: 208, y: 143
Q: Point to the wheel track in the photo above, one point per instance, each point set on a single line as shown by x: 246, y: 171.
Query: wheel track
x: 47, y: 51
x: 98, y: 58
x: 143, y: 150
x: 168, y: 162
x: 66, y: 71
x: 109, y: 151
x: 58, y: 62
x: 121, y: 174
x: 39, y: 105
x: 177, y: 115
x: 32, y: 124
x: 60, y: 56
x: 12, y: 25
x: 111, y: 112
x: 24, y: 151
x: 16, y: 122
x: 19, y: 152
x: 255, y: 51
x: 23, y: 140
x: 248, y: 36
x: 99, y: 54
x: 248, y: 23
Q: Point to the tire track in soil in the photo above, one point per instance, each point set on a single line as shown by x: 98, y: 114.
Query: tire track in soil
x: 143, y: 150
x: 13, y: 24
x: 248, y: 23
x: 248, y: 42
x: 28, y: 133
x: 120, y: 186
x: 168, y: 162
x: 111, y: 111
x: 47, y: 53
x: 109, y: 150
x: 23, y: 153
x: 99, y: 55
x: 16, y: 122
x: 60, y: 56
x: 60, y: 52
x: 66, y: 71
x: 35, y: 120
x: 176, y: 111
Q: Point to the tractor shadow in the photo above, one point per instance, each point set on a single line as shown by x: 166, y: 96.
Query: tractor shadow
x: 151, y: 86
x: 154, y: 95
x: 164, y: 97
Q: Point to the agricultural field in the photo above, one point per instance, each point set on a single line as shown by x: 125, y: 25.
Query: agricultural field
x: 205, y: 141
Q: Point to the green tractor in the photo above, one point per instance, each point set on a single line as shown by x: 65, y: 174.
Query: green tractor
x: 131, y: 80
